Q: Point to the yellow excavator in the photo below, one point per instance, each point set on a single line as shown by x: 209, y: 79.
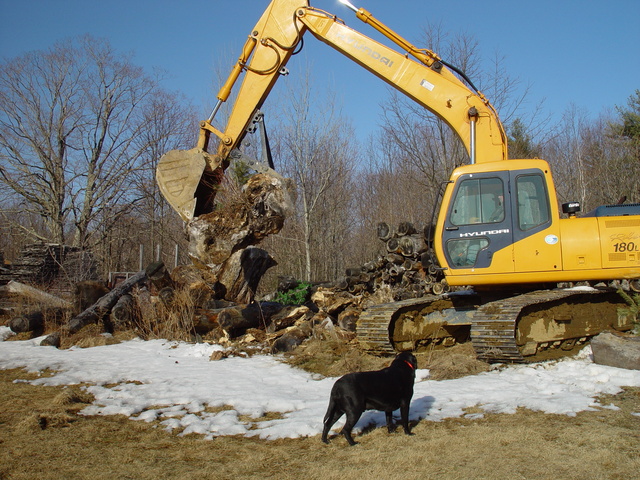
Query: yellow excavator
x: 498, y: 228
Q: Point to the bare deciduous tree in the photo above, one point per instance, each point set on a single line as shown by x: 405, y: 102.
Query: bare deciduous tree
x: 74, y: 126
x: 318, y: 152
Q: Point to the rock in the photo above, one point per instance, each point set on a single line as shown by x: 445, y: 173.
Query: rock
x: 616, y: 350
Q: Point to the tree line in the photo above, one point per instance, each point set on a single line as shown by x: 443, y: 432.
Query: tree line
x: 82, y: 128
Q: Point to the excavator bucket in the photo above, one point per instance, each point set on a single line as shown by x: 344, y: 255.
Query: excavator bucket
x: 179, y: 174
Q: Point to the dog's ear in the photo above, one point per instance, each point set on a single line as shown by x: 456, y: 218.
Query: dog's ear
x: 414, y: 361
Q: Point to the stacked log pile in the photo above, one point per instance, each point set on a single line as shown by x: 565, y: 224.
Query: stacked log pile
x: 38, y: 263
x: 46, y: 263
x: 407, y: 266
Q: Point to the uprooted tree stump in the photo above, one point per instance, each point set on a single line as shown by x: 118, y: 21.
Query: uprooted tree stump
x: 223, y: 241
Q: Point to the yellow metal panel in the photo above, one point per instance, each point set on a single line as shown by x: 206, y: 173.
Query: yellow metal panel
x: 440, y: 92
x: 580, y: 243
x: 620, y: 241
x: 539, y: 253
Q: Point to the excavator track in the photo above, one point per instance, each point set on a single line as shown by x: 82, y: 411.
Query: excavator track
x: 527, y: 327
x: 375, y: 321
x: 416, y: 323
x: 534, y: 325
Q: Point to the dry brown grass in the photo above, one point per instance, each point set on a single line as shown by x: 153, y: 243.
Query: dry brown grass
x: 333, y: 358
x: 526, y: 445
x: 175, y: 322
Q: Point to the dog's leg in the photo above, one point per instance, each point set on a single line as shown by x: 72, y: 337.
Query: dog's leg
x: 404, y: 417
x: 352, y: 419
x: 389, y: 416
x: 331, y: 417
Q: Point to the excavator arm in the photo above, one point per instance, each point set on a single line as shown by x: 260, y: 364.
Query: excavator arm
x: 188, y: 179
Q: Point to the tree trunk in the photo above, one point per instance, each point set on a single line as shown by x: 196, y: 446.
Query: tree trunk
x: 35, y: 294
x: 241, y: 274
x: 222, y: 241
x: 205, y: 321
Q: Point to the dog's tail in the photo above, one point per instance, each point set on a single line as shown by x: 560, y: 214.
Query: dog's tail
x: 330, y: 410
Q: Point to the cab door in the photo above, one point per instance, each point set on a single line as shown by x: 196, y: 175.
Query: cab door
x: 477, y: 231
x: 537, y: 239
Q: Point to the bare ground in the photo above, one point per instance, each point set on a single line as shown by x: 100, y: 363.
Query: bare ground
x: 42, y: 436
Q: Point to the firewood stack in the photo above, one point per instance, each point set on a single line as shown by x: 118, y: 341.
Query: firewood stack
x: 51, y: 265
x: 38, y: 263
x: 408, y: 266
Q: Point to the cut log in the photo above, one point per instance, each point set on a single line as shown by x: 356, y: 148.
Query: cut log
x: 236, y: 320
x: 87, y: 293
x: 406, y: 228
x: 332, y: 302
x: 35, y: 321
x: 29, y: 322
x: 123, y: 312
x: 286, y: 318
x: 103, y: 306
x: 384, y: 231
x: 205, y: 321
x: 394, y: 258
x: 159, y: 276
x: 393, y: 245
x: 35, y: 294
x: 411, y: 245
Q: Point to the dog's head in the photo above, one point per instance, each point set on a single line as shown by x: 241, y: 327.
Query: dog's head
x: 407, y: 358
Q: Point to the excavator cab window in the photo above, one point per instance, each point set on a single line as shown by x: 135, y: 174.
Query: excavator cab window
x: 478, y: 200
x: 533, y: 202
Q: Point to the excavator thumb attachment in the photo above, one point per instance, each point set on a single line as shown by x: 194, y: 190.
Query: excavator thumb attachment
x: 179, y: 175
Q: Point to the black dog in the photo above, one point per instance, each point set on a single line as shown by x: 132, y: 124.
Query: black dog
x: 386, y: 390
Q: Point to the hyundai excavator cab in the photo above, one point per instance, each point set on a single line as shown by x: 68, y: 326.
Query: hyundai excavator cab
x: 498, y: 225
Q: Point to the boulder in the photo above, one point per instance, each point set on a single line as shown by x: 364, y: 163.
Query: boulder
x: 616, y: 350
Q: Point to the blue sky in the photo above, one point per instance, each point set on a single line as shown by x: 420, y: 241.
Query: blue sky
x: 581, y: 52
